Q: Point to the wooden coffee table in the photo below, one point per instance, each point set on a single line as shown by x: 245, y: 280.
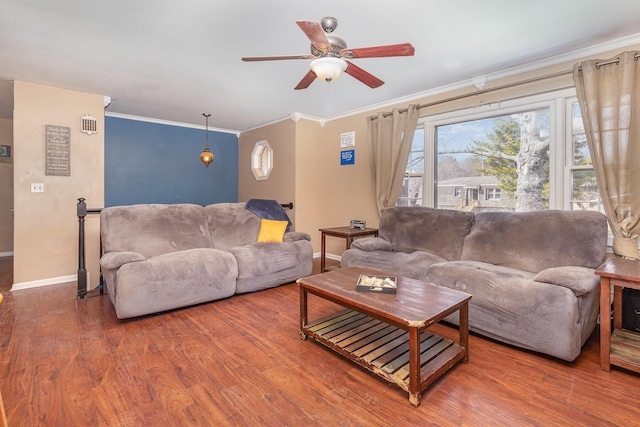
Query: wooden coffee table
x: 388, y: 333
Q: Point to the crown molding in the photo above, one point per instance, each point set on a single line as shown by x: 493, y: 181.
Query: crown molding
x: 169, y: 123
x: 292, y: 116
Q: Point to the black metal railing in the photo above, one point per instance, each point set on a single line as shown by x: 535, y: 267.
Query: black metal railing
x: 82, y: 270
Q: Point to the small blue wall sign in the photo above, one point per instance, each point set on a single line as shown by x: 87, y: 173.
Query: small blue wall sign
x: 347, y: 157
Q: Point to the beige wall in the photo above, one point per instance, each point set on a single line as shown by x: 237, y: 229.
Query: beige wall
x: 281, y: 182
x: 46, y: 224
x: 6, y: 191
x: 329, y: 195
x: 311, y: 193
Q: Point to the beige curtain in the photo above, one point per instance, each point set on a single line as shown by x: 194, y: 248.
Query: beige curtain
x: 609, y: 96
x: 390, y: 139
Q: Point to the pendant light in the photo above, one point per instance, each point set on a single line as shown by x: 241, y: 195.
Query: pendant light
x: 206, y: 156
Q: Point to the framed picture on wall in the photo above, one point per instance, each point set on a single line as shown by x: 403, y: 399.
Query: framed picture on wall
x: 5, y: 154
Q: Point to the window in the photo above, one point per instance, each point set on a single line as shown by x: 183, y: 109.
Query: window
x: 411, y: 192
x: 493, y: 194
x: 503, y: 156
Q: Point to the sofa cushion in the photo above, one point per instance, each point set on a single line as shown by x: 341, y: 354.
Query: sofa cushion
x: 413, y: 265
x: 231, y: 225
x: 534, y: 241
x: 508, y: 304
x: 264, y: 265
x: 173, y: 280
x: 154, y: 229
x: 580, y: 280
x: 370, y: 244
x: 418, y: 228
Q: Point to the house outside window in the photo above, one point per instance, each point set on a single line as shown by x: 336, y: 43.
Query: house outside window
x: 477, y: 152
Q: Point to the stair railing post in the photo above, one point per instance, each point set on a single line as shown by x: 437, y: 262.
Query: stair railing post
x: 82, y: 271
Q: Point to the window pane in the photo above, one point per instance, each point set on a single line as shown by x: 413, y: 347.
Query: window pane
x: 418, y: 140
x: 411, y: 192
x: 581, y: 155
x: 584, y: 191
x: 416, y: 162
x: 576, y: 119
x: 486, y: 155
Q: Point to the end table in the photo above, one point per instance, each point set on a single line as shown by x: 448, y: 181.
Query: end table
x: 622, y: 348
x: 347, y: 233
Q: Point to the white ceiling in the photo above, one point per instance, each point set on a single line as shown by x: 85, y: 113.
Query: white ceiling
x: 174, y: 60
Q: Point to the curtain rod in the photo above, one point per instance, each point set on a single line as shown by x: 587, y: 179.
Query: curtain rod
x: 505, y: 86
x: 612, y: 61
x: 482, y: 91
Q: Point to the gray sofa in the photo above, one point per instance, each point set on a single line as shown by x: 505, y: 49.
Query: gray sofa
x: 531, y: 274
x: 160, y: 257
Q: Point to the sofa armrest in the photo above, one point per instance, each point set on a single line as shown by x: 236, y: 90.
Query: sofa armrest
x: 371, y: 244
x: 115, y: 260
x: 581, y: 280
x: 292, y: 236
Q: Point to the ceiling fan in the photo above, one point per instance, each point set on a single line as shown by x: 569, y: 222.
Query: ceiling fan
x: 331, y: 56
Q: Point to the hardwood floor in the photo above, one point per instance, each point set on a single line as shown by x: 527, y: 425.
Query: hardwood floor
x: 240, y: 361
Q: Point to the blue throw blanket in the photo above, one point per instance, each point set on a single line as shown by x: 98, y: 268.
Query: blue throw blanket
x: 268, y: 209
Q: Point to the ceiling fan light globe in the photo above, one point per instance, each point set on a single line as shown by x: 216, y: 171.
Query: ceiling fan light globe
x: 328, y: 68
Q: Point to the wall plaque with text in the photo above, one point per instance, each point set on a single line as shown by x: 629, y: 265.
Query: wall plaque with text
x: 58, y: 150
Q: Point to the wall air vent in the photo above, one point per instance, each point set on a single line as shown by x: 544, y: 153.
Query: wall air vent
x: 89, y: 124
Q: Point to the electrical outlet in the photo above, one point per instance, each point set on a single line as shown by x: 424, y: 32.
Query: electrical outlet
x: 37, y: 187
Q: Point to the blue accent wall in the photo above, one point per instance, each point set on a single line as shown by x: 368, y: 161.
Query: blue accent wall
x: 159, y: 163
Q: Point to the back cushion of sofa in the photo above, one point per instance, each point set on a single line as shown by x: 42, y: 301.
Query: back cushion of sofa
x: 231, y: 225
x: 418, y: 228
x: 533, y: 241
x: 154, y: 229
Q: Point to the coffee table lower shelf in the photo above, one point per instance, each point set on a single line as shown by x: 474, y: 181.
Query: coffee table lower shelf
x: 383, y: 349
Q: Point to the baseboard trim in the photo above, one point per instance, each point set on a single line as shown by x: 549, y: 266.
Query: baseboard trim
x: 44, y: 282
x: 6, y: 254
x: 328, y: 256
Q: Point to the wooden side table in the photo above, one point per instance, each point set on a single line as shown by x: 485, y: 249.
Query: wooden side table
x: 622, y: 347
x: 347, y: 233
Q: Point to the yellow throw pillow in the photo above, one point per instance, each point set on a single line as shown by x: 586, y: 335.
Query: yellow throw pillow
x: 272, y: 231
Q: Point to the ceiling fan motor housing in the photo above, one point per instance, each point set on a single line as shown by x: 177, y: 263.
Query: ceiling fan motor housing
x: 337, y: 45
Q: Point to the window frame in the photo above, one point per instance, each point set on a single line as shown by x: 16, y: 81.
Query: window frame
x: 556, y: 101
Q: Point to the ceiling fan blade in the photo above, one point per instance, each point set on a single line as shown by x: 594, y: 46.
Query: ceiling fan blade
x: 316, y: 34
x: 404, y: 49
x: 277, y: 58
x: 365, y: 77
x: 306, y: 80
